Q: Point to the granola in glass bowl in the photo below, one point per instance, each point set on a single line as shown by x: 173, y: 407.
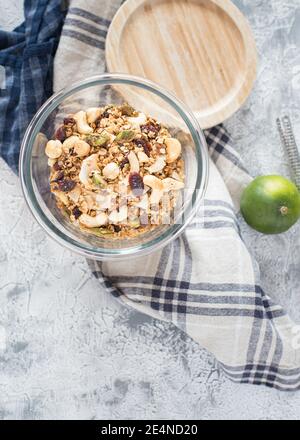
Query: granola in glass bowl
x: 115, y: 171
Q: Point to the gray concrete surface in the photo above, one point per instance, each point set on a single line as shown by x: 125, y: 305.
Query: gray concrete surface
x: 69, y: 351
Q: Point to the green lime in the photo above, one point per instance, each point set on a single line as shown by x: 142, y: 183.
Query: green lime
x: 271, y: 204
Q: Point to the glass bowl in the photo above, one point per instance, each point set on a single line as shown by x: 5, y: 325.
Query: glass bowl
x: 98, y: 91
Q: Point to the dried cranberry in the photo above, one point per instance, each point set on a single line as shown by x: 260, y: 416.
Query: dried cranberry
x: 69, y: 121
x: 59, y: 176
x: 136, y: 184
x: 143, y: 143
x: 60, y: 134
x: 151, y: 128
x: 66, y: 185
x: 76, y: 212
x: 57, y: 166
x: 124, y: 162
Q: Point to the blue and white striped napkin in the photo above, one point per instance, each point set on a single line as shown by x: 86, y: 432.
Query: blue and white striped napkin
x: 26, y: 68
x: 205, y: 282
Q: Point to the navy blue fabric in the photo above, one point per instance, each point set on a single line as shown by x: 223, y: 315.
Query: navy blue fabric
x: 26, y: 61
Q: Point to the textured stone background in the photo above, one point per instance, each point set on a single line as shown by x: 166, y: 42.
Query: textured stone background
x: 68, y: 350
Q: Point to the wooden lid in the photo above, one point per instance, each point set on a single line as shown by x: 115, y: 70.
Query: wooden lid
x: 201, y: 50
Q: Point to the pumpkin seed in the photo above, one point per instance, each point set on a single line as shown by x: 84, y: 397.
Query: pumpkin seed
x: 98, y: 179
x: 98, y: 141
x: 127, y: 110
x: 125, y: 136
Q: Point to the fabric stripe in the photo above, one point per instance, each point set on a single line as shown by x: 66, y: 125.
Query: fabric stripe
x: 264, y: 374
x: 158, y: 279
x: 205, y: 311
x: 217, y: 139
x: 90, y: 16
x: 214, y: 298
x: 214, y: 287
x: 85, y: 26
x: 272, y: 383
x: 194, y: 298
x: 213, y: 225
x: 187, y: 272
x: 239, y: 369
x: 209, y: 202
x: 83, y: 38
x: 219, y: 213
x: 171, y: 270
x: 278, y: 350
x: 267, y: 342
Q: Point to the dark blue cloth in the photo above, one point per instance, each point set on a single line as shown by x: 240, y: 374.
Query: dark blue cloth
x: 26, y: 69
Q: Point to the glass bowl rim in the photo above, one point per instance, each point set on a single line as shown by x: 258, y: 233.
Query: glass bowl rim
x: 25, y: 168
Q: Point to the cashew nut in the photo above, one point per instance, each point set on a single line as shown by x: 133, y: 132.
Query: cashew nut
x: 173, y: 149
x: 87, y: 167
x: 81, y: 122
x: 134, y: 163
x: 142, y: 157
x: 81, y: 148
x: 51, y: 162
x: 155, y: 196
x: 170, y: 184
x: 158, y: 165
x: 118, y: 216
x: 153, y: 182
x: 93, y: 113
x: 53, y: 149
x: 143, y: 203
x: 93, y: 222
x: 111, y: 171
x: 105, y: 200
x: 69, y: 143
x: 137, y: 120
x: 157, y: 188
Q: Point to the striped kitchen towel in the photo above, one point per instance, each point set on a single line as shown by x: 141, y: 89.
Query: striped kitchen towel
x: 26, y: 67
x: 205, y: 282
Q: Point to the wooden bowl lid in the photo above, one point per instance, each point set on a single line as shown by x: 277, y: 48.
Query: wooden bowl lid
x: 201, y: 50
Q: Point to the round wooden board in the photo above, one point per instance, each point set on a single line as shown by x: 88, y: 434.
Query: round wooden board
x: 201, y: 50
